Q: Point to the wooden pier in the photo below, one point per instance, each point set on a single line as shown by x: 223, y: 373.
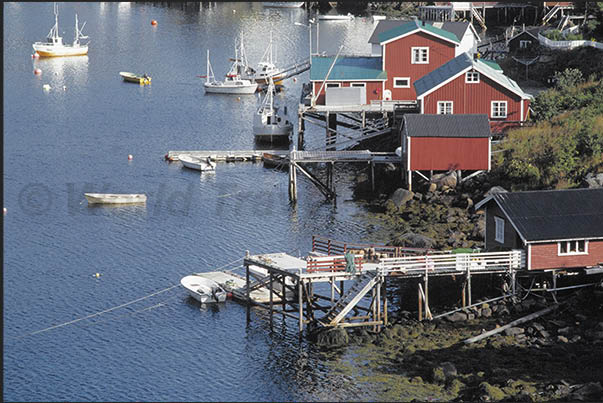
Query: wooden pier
x: 295, y: 287
x: 227, y: 155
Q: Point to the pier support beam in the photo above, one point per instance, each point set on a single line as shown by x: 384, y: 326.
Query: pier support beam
x: 292, y: 178
x: 300, y: 131
x: 331, y: 136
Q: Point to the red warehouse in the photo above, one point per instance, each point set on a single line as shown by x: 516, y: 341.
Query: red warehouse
x: 470, y: 85
x: 557, y: 229
x: 408, y: 52
x: 445, y: 143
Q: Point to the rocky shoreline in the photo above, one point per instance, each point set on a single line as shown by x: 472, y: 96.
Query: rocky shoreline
x: 558, y: 356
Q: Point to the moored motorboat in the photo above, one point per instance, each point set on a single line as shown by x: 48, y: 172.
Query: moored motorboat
x: 54, y: 45
x: 268, y: 126
x: 197, y: 163
x: 334, y: 17
x: 203, y: 289
x: 115, y: 198
x: 135, y: 78
x: 233, y: 83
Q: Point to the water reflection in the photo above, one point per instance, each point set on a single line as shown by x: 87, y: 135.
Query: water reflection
x: 63, y: 71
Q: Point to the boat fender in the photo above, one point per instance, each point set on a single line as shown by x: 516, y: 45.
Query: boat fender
x: 37, y: 72
x: 130, y: 157
x: 166, y: 157
x: 153, y: 22
x: 36, y: 55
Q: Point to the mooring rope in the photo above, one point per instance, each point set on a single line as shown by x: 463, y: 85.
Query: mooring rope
x: 101, y: 312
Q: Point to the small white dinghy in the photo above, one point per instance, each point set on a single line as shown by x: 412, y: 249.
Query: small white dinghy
x: 204, y: 290
x: 197, y: 163
x: 113, y: 198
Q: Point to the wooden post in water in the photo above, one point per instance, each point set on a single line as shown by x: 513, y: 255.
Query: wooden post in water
x: 331, y: 119
x: 300, y: 301
x: 300, y: 131
x: 332, y: 281
x: 271, y: 302
x: 284, y: 293
x: 426, y: 292
x: 247, y: 293
x: 292, y: 178
x: 420, y: 302
x: 372, y: 164
x: 378, y: 302
x: 469, y: 284
x: 385, y: 301
x: 374, y: 307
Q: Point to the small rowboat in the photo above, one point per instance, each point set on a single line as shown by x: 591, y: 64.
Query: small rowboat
x: 112, y: 198
x: 197, y: 163
x: 134, y: 78
x: 203, y: 289
x: 275, y: 161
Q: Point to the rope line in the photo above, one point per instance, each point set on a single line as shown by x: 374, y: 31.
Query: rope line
x: 101, y: 312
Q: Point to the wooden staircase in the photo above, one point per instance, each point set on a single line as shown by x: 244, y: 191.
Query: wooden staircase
x: 363, y: 284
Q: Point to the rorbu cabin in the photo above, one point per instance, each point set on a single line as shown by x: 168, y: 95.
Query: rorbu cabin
x: 525, y: 40
x: 468, y: 85
x: 557, y: 229
x: 445, y: 143
x: 352, y: 80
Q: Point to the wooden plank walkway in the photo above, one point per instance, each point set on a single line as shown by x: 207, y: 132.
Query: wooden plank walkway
x: 227, y: 155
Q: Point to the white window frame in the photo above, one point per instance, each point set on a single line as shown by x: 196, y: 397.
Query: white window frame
x: 420, y: 50
x: 402, y: 86
x: 333, y: 85
x: 523, y: 44
x: 444, y: 105
x: 499, y: 229
x: 474, y: 77
x: 358, y: 85
x: 572, y: 244
x: 492, y: 104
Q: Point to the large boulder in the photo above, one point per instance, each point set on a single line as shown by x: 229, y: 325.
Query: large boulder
x: 415, y: 240
x: 401, y: 196
x: 594, y: 181
x: 331, y: 338
x: 447, y: 180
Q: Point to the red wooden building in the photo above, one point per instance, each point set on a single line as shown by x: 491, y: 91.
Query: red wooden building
x: 445, y: 143
x: 558, y: 229
x: 408, y: 52
x: 470, y: 85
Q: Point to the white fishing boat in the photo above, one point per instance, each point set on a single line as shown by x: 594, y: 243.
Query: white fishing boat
x: 55, y: 47
x: 336, y: 17
x: 204, y: 290
x: 283, y: 4
x: 115, y: 198
x: 268, y: 125
x: 233, y: 83
x: 267, y: 66
x: 197, y: 163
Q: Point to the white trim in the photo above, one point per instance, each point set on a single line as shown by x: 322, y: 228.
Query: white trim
x: 474, y: 32
x: 408, y: 156
x: 525, y: 31
x: 358, y: 85
x: 419, y: 48
x: 422, y: 106
x: 522, y: 41
x: 383, y: 58
x: 472, y: 73
x: 445, y: 104
x: 382, y: 89
x: 489, y: 153
x: 567, y: 245
x: 567, y: 239
x: 521, y: 110
x: 492, y: 109
x: 529, y: 257
x: 418, y: 29
x: 401, y: 78
x: 499, y: 223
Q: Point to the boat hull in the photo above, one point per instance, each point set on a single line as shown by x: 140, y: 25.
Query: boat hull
x: 114, y: 198
x: 59, y: 51
x: 133, y: 78
x: 195, y: 163
x: 231, y: 89
x: 273, y: 133
x: 204, y: 290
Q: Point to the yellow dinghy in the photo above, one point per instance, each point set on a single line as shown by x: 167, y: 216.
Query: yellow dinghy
x: 135, y: 78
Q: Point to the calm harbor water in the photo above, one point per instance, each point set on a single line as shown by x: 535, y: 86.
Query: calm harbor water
x: 76, y: 138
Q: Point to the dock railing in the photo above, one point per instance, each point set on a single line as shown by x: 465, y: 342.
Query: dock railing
x: 331, y: 263
x: 450, y: 262
x: 332, y: 247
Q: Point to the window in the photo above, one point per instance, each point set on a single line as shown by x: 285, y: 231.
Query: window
x: 401, y: 82
x: 472, y: 77
x: 498, y: 109
x: 579, y: 247
x: 361, y: 85
x: 333, y: 85
x: 499, y: 230
x: 524, y: 44
x: 444, y: 107
x: 419, y: 55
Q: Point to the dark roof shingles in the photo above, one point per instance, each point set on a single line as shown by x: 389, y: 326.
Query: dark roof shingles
x: 464, y: 125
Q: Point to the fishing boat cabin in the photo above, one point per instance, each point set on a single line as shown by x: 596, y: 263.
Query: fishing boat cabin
x: 557, y: 229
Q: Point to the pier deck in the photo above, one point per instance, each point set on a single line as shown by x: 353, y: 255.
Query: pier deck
x: 227, y: 155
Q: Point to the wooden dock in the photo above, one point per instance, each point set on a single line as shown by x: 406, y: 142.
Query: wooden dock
x: 227, y: 155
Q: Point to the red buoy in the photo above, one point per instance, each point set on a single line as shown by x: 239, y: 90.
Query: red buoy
x: 36, y: 55
x: 229, y: 295
x: 153, y: 22
x: 37, y: 72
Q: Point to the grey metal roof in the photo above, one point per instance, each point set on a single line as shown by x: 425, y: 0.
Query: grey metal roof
x: 469, y: 125
x: 458, y: 28
x: 457, y: 65
x: 552, y: 215
x: 384, y: 25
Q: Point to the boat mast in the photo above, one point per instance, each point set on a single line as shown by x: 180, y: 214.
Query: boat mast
x: 53, y: 35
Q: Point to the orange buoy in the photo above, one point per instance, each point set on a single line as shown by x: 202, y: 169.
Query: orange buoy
x: 37, y: 72
x: 36, y: 55
x: 294, y: 79
x: 153, y: 22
